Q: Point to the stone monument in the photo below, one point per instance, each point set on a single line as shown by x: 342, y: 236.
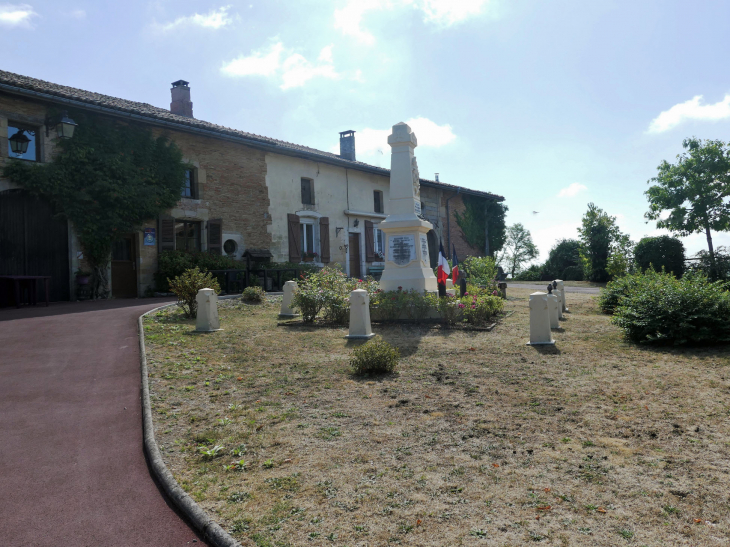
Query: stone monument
x: 360, y: 328
x: 540, y: 334
x: 407, y: 263
x: 553, y: 303
x: 561, y: 287
x: 286, y: 309
x: 207, y: 318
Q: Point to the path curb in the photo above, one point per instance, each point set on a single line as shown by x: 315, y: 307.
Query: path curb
x: 199, y: 520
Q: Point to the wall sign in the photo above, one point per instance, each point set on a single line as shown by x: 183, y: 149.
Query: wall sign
x: 424, y: 250
x: 150, y: 238
x: 401, y: 249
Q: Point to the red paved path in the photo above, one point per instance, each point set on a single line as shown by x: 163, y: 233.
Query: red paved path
x: 72, y: 469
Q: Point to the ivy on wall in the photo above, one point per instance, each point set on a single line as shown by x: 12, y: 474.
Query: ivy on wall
x: 479, y: 214
x: 107, y: 180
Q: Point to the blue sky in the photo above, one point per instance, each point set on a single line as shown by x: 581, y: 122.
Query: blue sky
x: 551, y: 104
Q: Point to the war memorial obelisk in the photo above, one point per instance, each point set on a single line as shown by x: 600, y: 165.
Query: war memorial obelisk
x: 407, y: 264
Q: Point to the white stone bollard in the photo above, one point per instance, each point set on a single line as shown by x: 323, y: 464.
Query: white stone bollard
x: 450, y: 287
x: 207, y: 320
x: 561, y: 288
x: 360, y: 315
x: 553, y: 303
x: 286, y: 309
x: 561, y: 302
x: 540, y: 320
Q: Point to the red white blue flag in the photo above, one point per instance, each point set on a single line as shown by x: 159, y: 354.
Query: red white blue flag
x: 443, y: 271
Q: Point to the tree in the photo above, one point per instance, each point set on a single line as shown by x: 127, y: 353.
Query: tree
x: 564, y: 261
x: 107, y: 180
x: 518, y: 249
x: 694, y: 191
x: 598, y: 234
x: 482, y: 216
x: 662, y: 252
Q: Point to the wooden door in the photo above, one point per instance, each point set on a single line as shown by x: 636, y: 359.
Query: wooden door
x: 124, y: 267
x: 354, y: 250
x: 34, y: 241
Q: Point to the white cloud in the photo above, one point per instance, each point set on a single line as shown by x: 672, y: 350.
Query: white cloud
x: 370, y: 141
x: 16, y: 15
x: 294, y: 71
x: 214, y: 19
x: 445, y: 13
x: 572, y: 190
x: 690, y: 110
x: 450, y: 12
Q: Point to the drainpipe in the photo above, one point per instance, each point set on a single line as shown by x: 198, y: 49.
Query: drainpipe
x: 448, y: 222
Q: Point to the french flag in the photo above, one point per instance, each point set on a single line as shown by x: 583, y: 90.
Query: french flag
x: 455, y: 269
x: 443, y: 271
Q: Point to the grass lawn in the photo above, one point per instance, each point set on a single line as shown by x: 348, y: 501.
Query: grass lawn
x: 477, y: 440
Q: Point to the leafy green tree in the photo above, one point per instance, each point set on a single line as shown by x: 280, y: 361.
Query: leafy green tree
x: 694, y: 191
x: 662, y: 252
x: 483, y: 216
x: 518, y: 249
x: 107, y: 180
x: 598, y: 234
x: 564, y: 261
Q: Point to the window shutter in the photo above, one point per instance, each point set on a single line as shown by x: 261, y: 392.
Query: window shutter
x: 369, y: 242
x: 324, y: 239
x: 215, y: 236
x: 295, y: 245
x: 166, y: 235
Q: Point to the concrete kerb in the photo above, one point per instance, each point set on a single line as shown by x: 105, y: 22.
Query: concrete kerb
x: 191, y: 511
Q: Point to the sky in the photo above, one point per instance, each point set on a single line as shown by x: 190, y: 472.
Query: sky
x: 550, y: 104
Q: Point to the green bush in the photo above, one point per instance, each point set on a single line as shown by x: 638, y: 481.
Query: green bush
x: 171, y: 264
x: 564, y: 255
x: 480, y: 270
x: 481, y: 308
x: 253, y: 294
x: 615, y: 291
x: 186, y: 287
x: 533, y: 273
x: 374, y: 357
x: 661, y: 309
x: 327, y: 291
x: 661, y: 252
x: 394, y: 305
x: 572, y: 273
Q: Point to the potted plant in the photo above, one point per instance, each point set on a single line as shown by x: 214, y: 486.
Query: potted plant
x: 82, y: 277
x: 310, y: 257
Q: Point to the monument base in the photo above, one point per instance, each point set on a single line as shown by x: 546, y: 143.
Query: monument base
x: 407, y: 268
x: 360, y: 336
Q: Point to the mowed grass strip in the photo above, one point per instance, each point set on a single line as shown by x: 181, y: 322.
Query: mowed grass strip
x: 477, y: 439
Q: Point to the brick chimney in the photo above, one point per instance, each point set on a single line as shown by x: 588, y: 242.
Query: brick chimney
x: 181, y: 103
x: 347, y: 145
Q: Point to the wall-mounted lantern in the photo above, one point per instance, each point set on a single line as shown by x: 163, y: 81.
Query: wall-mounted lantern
x: 64, y: 125
x: 19, y: 143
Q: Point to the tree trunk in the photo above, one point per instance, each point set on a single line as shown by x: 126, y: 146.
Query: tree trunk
x: 99, y: 282
x: 713, y: 271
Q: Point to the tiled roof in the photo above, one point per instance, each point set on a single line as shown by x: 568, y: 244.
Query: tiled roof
x: 19, y: 83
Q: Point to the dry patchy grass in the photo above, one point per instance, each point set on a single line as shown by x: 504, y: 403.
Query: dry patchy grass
x: 477, y: 440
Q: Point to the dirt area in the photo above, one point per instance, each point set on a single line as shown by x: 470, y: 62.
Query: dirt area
x: 477, y: 440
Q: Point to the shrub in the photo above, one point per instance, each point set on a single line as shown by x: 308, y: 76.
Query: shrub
x: 661, y: 309
x: 481, y: 308
x: 450, y: 308
x: 533, y: 273
x: 374, y: 357
x: 615, y: 291
x: 186, y: 287
x: 171, y: 264
x: 253, y: 294
x: 572, y: 273
x: 565, y: 254
x: 481, y: 270
x: 394, y: 305
x: 328, y: 291
x: 662, y: 252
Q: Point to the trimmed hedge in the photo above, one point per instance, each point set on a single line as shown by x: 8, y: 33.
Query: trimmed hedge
x: 662, y: 252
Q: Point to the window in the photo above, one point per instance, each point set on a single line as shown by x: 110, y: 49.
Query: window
x: 187, y: 235
x: 189, y: 190
x: 378, y: 198
x: 307, y: 192
x: 307, y: 238
x: 379, y: 242
x: 32, y: 152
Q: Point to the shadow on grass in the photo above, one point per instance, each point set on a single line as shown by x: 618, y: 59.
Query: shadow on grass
x: 547, y: 350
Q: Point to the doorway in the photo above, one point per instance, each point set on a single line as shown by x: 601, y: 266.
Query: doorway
x: 124, y: 267
x: 354, y: 250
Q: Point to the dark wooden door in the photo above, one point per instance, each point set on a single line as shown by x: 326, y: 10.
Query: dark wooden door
x: 34, y: 241
x: 354, y: 250
x: 124, y: 268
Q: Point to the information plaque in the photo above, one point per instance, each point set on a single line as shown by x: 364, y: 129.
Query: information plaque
x: 401, y: 249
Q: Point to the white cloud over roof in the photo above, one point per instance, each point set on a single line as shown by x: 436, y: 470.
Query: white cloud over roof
x: 16, y: 15
x: 690, y: 110
x: 214, y: 19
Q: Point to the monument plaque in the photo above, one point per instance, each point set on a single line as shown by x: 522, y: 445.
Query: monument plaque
x: 424, y: 249
x: 402, y: 249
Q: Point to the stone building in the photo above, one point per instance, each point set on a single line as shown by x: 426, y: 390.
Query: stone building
x: 243, y: 191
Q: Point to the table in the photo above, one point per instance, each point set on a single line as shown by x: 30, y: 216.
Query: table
x: 30, y: 281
